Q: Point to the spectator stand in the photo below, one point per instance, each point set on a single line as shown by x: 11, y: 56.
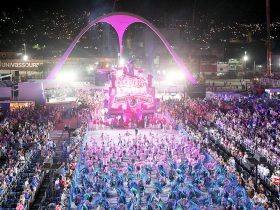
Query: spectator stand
x: 271, y: 191
x: 201, y: 123
x: 259, y: 177
x: 26, y: 182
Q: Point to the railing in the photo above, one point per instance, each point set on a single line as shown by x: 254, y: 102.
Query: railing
x: 77, y: 170
x: 32, y: 199
x: 42, y: 201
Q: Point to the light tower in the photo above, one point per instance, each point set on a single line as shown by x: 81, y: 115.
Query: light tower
x: 245, y: 59
x: 25, y: 56
x: 268, y: 44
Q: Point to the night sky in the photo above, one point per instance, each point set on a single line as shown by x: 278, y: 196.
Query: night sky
x: 245, y: 11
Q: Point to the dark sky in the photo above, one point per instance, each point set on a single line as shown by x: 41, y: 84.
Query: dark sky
x: 250, y: 11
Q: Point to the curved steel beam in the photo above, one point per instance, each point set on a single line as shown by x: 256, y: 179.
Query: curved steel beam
x: 120, y: 21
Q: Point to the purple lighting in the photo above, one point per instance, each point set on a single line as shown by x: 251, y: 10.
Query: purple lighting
x: 120, y: 22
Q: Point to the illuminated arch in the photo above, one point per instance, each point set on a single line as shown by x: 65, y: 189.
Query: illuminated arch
x: 120, y: 21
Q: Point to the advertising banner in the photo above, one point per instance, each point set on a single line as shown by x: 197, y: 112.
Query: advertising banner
x: 20, y: 65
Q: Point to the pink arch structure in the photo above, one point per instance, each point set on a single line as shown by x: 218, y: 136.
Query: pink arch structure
x: 120, y: 21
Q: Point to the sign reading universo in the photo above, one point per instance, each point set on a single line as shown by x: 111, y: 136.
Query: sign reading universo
x: 20, y: 65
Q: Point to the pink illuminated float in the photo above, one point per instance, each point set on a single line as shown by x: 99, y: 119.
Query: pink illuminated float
x: 120, y: 22
x: 131, y: 95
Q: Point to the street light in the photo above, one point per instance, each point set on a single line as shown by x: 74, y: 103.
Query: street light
x: 25, y: 57
x: 245, y: 58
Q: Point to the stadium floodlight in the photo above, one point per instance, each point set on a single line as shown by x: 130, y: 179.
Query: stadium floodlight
x: 175, y: 76
x: 25, y: 57
x: 122, y: 62
x: 66, y: 77
x: 245, y: 58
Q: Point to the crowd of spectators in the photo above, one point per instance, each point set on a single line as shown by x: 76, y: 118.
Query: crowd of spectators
x: 63, y: 180
x: 26, y: 146
x: 24, y: 142
x: 243, y: 126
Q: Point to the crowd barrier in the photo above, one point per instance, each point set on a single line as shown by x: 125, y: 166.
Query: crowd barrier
x: 78, y: 168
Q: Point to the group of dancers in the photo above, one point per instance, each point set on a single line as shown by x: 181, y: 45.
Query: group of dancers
x: 157, y: 170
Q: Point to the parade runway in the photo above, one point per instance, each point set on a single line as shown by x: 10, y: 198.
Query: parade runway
x: 129, y: 134
x: 126, y: 134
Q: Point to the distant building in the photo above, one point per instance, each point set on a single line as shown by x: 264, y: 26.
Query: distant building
x: 276, y: 64
x: 222, y: 68
x: 10, y: 55
x: 208, y: 69
x: 208, y: 65
x: 234, y: 65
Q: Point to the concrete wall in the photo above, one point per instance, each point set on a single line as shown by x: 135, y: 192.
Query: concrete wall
x: 31, y: 91
x: 5, y: 92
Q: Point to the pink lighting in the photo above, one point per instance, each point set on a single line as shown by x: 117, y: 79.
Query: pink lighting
x: 120, y: 22
x: 133, y: 96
